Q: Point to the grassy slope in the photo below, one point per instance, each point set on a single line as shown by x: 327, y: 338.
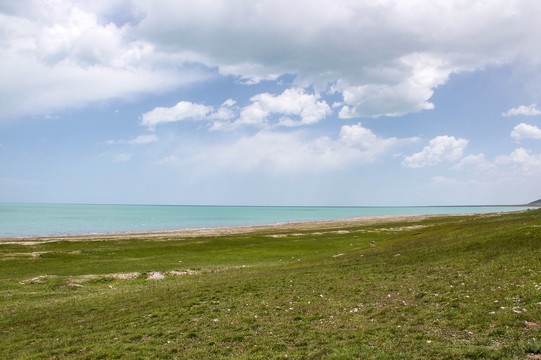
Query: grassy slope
x: 456, y: 288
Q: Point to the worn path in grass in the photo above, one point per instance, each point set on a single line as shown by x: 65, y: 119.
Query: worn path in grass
x: 394, y: 288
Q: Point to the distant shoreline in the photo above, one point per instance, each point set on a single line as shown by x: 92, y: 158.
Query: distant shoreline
x: 234, y: 230
x: 21, y: 221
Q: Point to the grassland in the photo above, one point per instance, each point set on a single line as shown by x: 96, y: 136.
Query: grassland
x: 458, y: 287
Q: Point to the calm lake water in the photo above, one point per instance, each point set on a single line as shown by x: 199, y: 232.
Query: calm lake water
x: 24, y: 220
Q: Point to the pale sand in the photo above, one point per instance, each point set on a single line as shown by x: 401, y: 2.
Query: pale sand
x: 296, y: 226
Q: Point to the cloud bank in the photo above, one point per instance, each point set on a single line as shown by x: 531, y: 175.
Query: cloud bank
x: 385, y: 58
x: 292, y: 152
x: 62, y: 54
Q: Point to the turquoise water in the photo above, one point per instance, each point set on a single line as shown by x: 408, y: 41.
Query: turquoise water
x: 25, y: 220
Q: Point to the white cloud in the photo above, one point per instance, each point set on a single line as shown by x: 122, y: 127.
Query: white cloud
x: 440, y: 149
x: 530, y: 110
x: 525, y: 131
x: 510, y: 179
x: 252, y: 114
x: 292, y: 153
x: 181, y: 111
x: 292, y: 102
x: 386, y: 57
x: 221, y: 118
x: 139, y: 140
x: 477, y: 163
x: 59, y: 54
x: 396, y: 99
x: 523, y: 158
x: 229, y: 103
x: 294, y: 107
x: 368, y: 143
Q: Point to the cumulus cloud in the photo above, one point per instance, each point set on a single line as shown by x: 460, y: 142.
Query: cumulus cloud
x: 385, y: 58
x: 294, y: 107
x: 222, y: 117
x: 530, y: 110
x: 525, y: 131
x: 521, y: 169
x: 225, y: 112
x: 181, y: 111
x: 292, y: 102
x: 396, y: 99
x: 511, y: 177
x: 439, y: 149
x: 523, y: 158
x: 477, y: 163
x: 292, y: 153
x: 61, y: 54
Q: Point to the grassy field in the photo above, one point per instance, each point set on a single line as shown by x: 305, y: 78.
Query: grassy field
x: 440, y: 288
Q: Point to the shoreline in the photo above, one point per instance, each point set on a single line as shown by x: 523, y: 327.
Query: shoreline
x: 235, y: 230
x: 66, y: 221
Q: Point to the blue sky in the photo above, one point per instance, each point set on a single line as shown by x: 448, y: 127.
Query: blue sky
x: 270, y: 102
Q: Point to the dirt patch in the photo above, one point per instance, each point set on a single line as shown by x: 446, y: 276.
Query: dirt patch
x: 37, y: 280
x: 402, y: 228
x: 126, y: 276
x: 181, y: 273
x: 532, y: 325
x: 155, y: 275
x: 17, y: 255
x: 73, y: 285
x: 116, y: 276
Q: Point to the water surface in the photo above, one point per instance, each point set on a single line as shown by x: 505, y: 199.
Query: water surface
x: 25, y: 220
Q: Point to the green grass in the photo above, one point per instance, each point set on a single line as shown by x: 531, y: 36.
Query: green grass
x: 451, y: 288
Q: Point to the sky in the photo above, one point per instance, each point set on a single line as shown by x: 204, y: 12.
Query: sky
x: 270, y: 102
